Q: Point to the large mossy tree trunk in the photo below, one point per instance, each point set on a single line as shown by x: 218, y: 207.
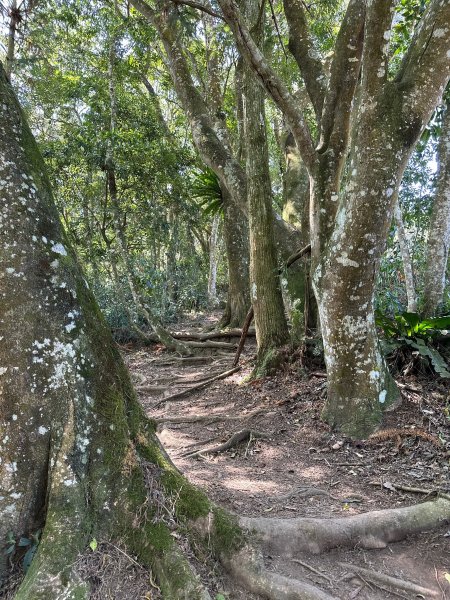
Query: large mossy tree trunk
x: 266, y: 298
x: 75, y: 443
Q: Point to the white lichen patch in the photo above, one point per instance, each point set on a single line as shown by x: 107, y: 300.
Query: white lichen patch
x: 59, y: 249
x: 382, y: 396
x: 347, y: 262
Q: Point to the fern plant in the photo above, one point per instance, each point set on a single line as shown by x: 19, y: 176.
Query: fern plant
x: 423, y: 336
x: 206, y: 188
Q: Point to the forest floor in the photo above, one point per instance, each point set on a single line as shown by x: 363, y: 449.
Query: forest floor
x: 290, y: 463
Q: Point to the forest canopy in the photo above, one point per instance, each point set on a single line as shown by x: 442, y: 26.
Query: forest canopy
x: 276, y: 173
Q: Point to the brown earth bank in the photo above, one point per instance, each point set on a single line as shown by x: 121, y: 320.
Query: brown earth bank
x: 259, y: 448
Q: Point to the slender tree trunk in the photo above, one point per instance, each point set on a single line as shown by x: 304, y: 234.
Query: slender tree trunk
x: 406, y: 259
x: 213, y: 259
x: 296, y: 211
x: 10, y: 52
x: 235, y: 231
x: 439, y: 230
x: 265, y: 292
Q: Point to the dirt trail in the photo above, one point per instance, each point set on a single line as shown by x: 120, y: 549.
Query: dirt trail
x: 292, y: 465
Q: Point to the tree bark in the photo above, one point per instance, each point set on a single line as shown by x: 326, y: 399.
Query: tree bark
x: 235, y: 231
x: 439, y: 230
x: 296, y: 192
x: 406, y: 259
x: 270, y: 320
x: 14, y: 20
x: 213, y: 259
x: 387, y: 117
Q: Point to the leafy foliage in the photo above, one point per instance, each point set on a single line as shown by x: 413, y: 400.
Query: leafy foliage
x: 206, y: 187
x: 408, y: 329
x: 23, y: 549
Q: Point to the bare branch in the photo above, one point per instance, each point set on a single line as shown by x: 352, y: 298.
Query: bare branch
x: 271, y: 82
x: 302, y: 49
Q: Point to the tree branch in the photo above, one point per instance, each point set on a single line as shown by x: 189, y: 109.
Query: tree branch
x: 376, y: 46
x: 271, y: 82
x: 306, y: 56
x: 425, y: 70
x: 344, y: 75
x: 199, y: 6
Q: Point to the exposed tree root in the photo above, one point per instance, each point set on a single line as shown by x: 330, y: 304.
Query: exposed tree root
x: 368, y: 530
x: 183, y: 393
x: 303, y: 491
x: 210, y: 418
x: 248, y: 568
x: 394, y: 582
x: 410, y: 489
x: 236, y: 438
x: 312, y: 569
x: 211, y: 335
x: 209, y: 344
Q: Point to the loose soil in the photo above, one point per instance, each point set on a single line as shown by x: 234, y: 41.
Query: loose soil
x: 293, y: 465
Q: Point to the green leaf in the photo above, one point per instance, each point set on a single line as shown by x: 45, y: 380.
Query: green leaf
x: 24, y: 542
x: 438, y: 362
x: 93, y: 545
x: 436, y: 323
x: 220, y: 597
x: 29, y: 557
x: 412, y: 319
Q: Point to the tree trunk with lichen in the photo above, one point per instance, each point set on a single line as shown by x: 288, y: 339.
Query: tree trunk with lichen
x: 74, y: 439
x: 368, y: 123
x: 439, y: 230
x: 296, y: 212
x: 79, y: 459
x: 235, y: 233
x: 266, y: 298
x: 406, y: 260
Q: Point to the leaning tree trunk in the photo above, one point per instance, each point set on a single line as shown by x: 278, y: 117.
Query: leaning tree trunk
x: 267, y: 301
x: 439, y: 229
x: 79, y: 458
